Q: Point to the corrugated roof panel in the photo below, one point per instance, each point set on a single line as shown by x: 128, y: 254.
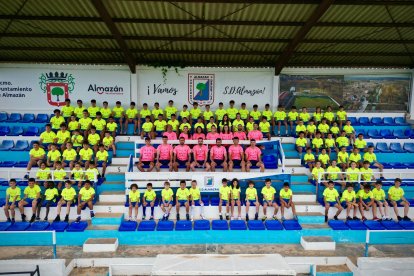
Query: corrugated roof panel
x: 402, y: 13
x: 347, y: 60
x: 60, y: 7
x: 209, y: 10
x: 407, y: 33
x: 341, y: 13
x: 287, y: 12
x: 345, y: 47
x: 10, y: 7
x: 58, y: 42
x: 156, y: 29
x: 3, y: 25
x: 63, y: 56
x: 259, y: 31
x: 58, y: 27
x: 147, y: 44
x: 349, y: 32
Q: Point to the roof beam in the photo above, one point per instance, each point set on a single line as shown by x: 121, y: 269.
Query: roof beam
x: 211, y: 39
x: 99, y: 6
x: 301, y: 34
x: 208, y: 22
x: 200, y: 52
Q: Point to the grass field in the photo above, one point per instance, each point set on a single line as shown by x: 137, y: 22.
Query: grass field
x: 312, y: 102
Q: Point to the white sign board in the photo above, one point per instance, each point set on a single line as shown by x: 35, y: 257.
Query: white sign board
x: 42, y: 88
x: 205, y: 86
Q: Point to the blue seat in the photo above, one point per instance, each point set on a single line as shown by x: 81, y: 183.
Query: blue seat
x: 8, y: 164
x: 364, y: 121
x: 16, y: 131
x: 4, y: 130
x: 14, y: 118
x: 202, y: 224
x: 183, y: 225
x: 356, y: 225
x: 400, y: 121
x: 6, y: 145
x: 255, y: 225
x: 409, y: 132
x: 147, y: 225
x: 128, y: 226
x: 373, y: 133
x: 377, y: 121
x: 19, y: 226
x: 28, y: 118
x: 391, y: 225
x: 291, y: 225
x: 21, y: 145
x: 4, y: 225
x: 386, y: 134
x: 409, y: 147
x: 42, y: 118
x: 270, y: 161
x: 383, y: 147
x: 399, y: 133
x: 407, y: 225
x: 395, y: 165
x: 409, y: 165
x: 21, y: 164
x: 77, y: 226
x: 219, y: 225
x: 353, y: 120
x: 31, y: 131
x: 374, y: 225
x: 3, y: 182
x: 3, y: 117
x: 238, y: 225
x: 214, y: 201
x: 388, y: 121
x: 38, y: 226
x: 166, y: 225
x: 338, y: 225
x: 58, y: 226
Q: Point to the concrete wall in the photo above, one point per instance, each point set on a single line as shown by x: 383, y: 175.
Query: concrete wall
x: 385, y: 267
x: 47, y: 267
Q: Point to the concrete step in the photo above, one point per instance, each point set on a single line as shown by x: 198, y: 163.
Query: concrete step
x: 104, y: 203
x: 311, y: 217
x: 304, y: 197
x: 315, y: 226
x: 108, y: 218
x: 112, y: 196
x: 115, y: 207
x: 116, y: 168
x: 102, y: 227
x: 291, y: 162
x: 120, y: 161
x: 100, y: 245
x: 317, y: 243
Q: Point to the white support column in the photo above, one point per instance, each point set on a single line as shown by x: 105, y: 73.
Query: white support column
x: 275, y: 94
x: 134, y: 88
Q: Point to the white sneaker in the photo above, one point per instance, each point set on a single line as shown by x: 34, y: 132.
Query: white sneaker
x: 239, y: 218
x: 232, y: 218
x: 202, y: 217
x: 192, y: 218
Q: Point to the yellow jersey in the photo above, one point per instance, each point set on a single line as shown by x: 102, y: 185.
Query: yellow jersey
x: 149, y: 195
x: 167, y: 195
x: 225, y: 192
x: 316, y: 171
x: 77, y: 174
x: 348, y: 196
x: 118, y: 111
x: 255, y: 114
x: 170, y: 110
x: 364, y: 196
x: 342, y: 141
x: 286, y: 194
x: 13, y: 194
x: 32, y: 192
x: 47, y: 137
x: 99, y: 124
x: 77, y: 140
x: 235, y: 193
x: 147, y: 127
x: 68, y: 194
x: 232, y: 112
x: 396, y: 193
x: 93, y: 139
x: 69, y: 155
x: 341, y: 115
x: 304, y: 117
x: 352, y: 174
x: 144, y: 113
x: 182, y: 194
x: 268, y: 193
x: 43, y: 174
x: 264, y: 127
x: 195, y: 113
x: 37, y: 153
x: 332, y: 173
x: 131, y: 113
x: 311, y: 128
x: 207, y: 115
x: 134, y: 196
x: 107, y: 141
x: 67, y: 111
x: 360, y: 144
x: 195, y: 193
x: 79, y: 111
x: 301, y: 142
x: 300, y: 128
x: 86, y: 154
x: 106, y: 112
x: 156, y: 112
x: 378, y: 194
x: 367, y: 174
x: 317, y: 143
x: 268, y: 114
x: 63, y: 136
x: 355, y: 157
x: 59, y: 174
x: 293, y: 116
x: 92, y: 111
x: 308, y: 157
x: 54, y: 155
x: 324, y: 158
x: 56, y: 121
x: 330, y: 195
x: 85, y: 123
x: 73, y: 125
x: 111, y: 126
x: 244, y: 113
x: 370, y: 157
x: 160, y: 125
x: 87, y: 194
x: 51, y: 194
x: 251, y: 193
x: 342, y: 157
x: 91, y: 173
x: 102, y: 156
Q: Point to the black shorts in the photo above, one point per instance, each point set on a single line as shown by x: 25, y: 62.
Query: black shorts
x: 146, y: 163
x: 253, y: 162
x: 164, y: 162
x: 218, y: 162
x: 236, y: 162
x: 182, y: 162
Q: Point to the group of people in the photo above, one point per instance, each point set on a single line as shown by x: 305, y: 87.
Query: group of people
x: 230, y: 198
x: 36, y: 197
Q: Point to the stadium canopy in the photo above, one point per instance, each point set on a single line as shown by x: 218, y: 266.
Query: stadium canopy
x: 248, y: 33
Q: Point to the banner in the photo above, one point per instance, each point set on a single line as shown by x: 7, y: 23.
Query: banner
x: 357, y: 93
x: 205, y: 86
x: 47, y: 89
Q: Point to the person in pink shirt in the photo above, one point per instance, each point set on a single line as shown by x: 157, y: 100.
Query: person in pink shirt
x: 199, y: 134
x: 240, y: 133
x: 185, y: 134
x: 171, y: 135
x: 226, y: 133
x: 164, y: 155
x: 200, y: 155
x: 213, y: 135
x: 147, y: 156
x: 253, y: 157
x: 218, y: 156
x: 236, y: 155
x: 255, y: 134
x: 181, y: 156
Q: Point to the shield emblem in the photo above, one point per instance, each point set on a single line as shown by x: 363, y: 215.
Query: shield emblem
x: 201, y: 88
x: 57, y: 93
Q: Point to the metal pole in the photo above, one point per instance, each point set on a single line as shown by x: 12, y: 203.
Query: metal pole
x: 54, y: 245
x: 366, y: 243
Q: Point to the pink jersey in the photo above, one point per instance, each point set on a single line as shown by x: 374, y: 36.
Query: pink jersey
x: 255, y: 134
x: 165, y: 151
x: 170, y: 135
x: 199, y: 135
x: 253, y: 154
x: 217, y: 153
x: 200, y: 152
x: 241, y: 135
x: 186, y: 136
x: 182, y: 152
x: 226, y: 136
x: 213, y: 136
x: 236, y: 152
x: 147, y: 153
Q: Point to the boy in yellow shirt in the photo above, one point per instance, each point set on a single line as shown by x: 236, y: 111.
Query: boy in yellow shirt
x: 101, y: 159
x: 157, y: 111
x: 13, y: 194
x: 143, y: 113
x: 148, y: 199
x: 304, y: 115
x: 318, y: 172
x: 311, y: 129
x: 67, y: 110
x: 166, y: 200
x: 286, y: 201
x: 244, y: 112
x: 85, y: 155
x: 106, y: 112
x: 147, y: 129
x: 264, y: 126
x: 352, y: 173
x: 348, y: 202
x: 93, y: 109
x: 31, y: 197
x: 85, y: 124
x: 366, y: 200
x: 170, y: 109
x: 309, y: 158
x: 131, y: 117
x: 292, y: 116
x: 118, y: 112
x: 69, y: 156
x: 77, y: 174
x: 350, y: 131
x: 341, y: 116
x: 300, y: 127
x: 331, y: 199
x: 133, y: 201
x: 224, y: 195
x: 67, y: 198
x: 360, y: 143
x: 280, y: 118
x: 182, y: 197
x: 380, y: 200
x: 108, y: 142
x: 317, y: 142
x: 85, y: 198
x: 49, y: 198
x: 397, y: 199
x: 43, y: 173
x: 37, y: 156
x: 324, y: 158
x: 53, y: 156
x: 73, y: 124
x: 355, y: 156
x: 268, y: 193
x: 256, y: 114
x: 252, y: 199
x: 56, y: 120
x: 78, y: 111
x: 367, y: 175
x: 334, y: 174
x: 112, y: 126
x: 301, y: 143
x: 323, y: 128
x: 195, y: 113
x: 343, y: 158
x: 77, y: 140
x: 372, y: 159
x: 94, y: 139
x: 232, y: 111
x: 195, y: 197
x: 100, y: 124
x: 62, y: 137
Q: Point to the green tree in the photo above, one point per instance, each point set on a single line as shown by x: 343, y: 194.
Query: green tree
x: 58, y: 91
x: 201, y: 86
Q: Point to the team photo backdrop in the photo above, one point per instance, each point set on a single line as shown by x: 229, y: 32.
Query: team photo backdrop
x: 205, y: 85
x: 46, y: 88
